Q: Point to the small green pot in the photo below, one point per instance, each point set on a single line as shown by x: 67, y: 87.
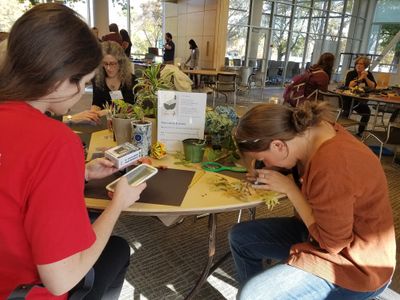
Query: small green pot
x: 194, y: 149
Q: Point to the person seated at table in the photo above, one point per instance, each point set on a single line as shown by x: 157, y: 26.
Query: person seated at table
x: 126, y: 42
x: 114, y: 78
x: 85, y: 116
x: 114, y: 34
x: 46, y: 237
x: 320, y: 80
x: 342, y: 243
x: 315, y: 78
x: 359, y: 77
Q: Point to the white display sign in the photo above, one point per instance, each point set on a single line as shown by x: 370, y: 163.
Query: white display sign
x: 181, y: 116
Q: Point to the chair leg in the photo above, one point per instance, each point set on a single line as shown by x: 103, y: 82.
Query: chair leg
x: 380, y: 151
x: 239, y: 216
x: 394, y: 155
x: 213, y: 98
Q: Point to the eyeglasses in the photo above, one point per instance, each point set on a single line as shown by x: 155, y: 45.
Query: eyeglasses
x: 112, y: 64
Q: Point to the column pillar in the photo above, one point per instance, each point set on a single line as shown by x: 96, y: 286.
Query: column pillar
x: 255, y: 33
x: 100, y: 16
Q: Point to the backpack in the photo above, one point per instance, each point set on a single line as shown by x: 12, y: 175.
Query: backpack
x: 294, y: 93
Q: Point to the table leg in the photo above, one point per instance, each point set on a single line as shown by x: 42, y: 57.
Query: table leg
x: 376, y: 115
x: 212, y: 226
x: 351, y: 107
x: 252, y: 213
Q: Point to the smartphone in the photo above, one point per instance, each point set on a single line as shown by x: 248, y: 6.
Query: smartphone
x: 136, y: 176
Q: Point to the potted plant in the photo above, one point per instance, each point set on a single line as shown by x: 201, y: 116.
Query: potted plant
x: 123, y: 110
x: 219, y: 124
x: 121, y: 115
x: 146, y: 89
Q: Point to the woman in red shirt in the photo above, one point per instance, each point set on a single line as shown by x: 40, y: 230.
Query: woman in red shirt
x: 46, y: 236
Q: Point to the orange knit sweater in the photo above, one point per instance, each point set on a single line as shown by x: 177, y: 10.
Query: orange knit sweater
x: 346, y: 187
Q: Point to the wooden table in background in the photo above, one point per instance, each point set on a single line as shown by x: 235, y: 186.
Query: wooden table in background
x: 378, y: 99
x: 207, y: 72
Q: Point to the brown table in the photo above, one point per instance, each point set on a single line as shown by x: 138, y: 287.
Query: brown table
x: 200, y: 198
x: 377, y: 98
x: 207, y: 72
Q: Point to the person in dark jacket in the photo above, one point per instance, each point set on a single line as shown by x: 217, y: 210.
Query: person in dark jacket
x: 114, y: 79
x: 362, y: 78
x: 169, y: 49
x: 126, y: 42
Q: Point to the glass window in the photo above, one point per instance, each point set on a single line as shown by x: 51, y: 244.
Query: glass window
x: 81, y: 7
x: 239, y: 12
x: 387, y: 11
x: 146, y: 25
x: 334, y: 21
x: 328, y: 22
x: 10, y: 11
x: 117, y: 13
x: 238, y: 20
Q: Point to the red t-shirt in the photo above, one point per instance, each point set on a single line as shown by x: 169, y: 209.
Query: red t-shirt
x: 43, y: 218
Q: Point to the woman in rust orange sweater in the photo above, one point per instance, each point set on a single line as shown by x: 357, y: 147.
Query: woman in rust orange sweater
x: 342, y: 246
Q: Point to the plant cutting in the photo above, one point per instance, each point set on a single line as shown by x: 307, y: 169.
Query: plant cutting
x: 123, y: 110
x: 146, y: 89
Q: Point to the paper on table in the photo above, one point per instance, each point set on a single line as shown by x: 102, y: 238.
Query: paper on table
x: 168, y: 187
x: 180, y: 116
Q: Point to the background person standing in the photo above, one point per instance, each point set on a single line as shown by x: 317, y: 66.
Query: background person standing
x: 169, y: 49
x: 193, y: 60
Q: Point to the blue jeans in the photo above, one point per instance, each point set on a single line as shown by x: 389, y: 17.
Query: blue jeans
x: 252, y: 242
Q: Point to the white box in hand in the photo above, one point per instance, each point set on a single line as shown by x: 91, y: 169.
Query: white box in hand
x: 123, y: 155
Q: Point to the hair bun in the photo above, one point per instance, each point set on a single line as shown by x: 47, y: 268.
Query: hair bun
x: 308, y: 114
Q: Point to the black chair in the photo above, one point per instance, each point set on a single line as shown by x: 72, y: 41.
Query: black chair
x: 226, y: 83
x: 389, y: 137
x: 336, y: 102
x: 22, y: 291
x: 237, y: 62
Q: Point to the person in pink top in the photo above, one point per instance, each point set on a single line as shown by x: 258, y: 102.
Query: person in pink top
x: 341, y: 244
x: 46, y: 236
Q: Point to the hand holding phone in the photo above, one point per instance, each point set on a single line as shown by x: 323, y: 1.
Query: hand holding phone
x: 136, y: 176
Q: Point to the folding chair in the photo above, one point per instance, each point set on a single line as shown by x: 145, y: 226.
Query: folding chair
x: 336, y: 101
x: 226, y: 83
x: 389, y: 137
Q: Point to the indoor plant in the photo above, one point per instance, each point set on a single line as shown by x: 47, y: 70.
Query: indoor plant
x: 146, y: 89
x: 123, y: 110
x: 121, y: 114
x: 219, y: 124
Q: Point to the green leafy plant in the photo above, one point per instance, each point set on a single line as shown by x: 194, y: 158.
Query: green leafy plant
x: 217, y: 123
x: 218, y: 126
x: 146, y: 89
x: 124, y: 110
